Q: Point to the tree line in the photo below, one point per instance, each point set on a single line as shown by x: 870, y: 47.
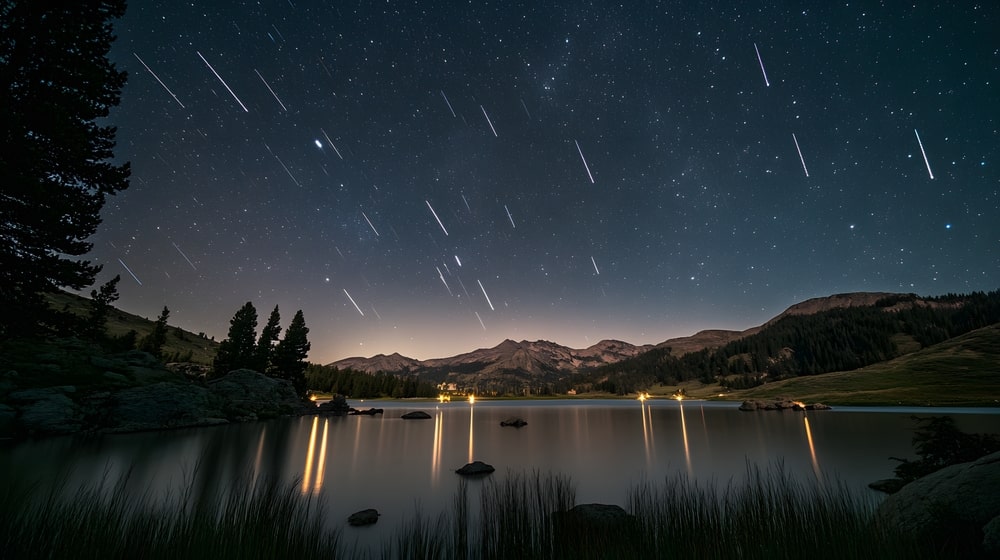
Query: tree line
x: 364, y: 385
x: 833, y: 340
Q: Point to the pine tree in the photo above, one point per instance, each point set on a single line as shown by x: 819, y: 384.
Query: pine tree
x: 265, y: 344
x: 290, y: 355
x: 154, y: 341
x: 56, y: 82
x: 100, y: 305
x: 237, y: 350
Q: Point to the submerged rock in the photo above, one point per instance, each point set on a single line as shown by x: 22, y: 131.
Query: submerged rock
x: 475, y: 468
x: 363, y: 517
x: 515, y: 422
x: 416, y: 415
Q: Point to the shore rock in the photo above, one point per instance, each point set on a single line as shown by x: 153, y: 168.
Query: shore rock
x: 164, y: 405
x: 475, y: 468
x: 951, y: 506
x: 887, y: 485
x: 48, y: 411
x: 248, y: 395
x: 594, y: 530
x: 416, y: 415
x: 363, y: 517
x: 782, y: 403
x: 515, y: 422
x: 337, y: 406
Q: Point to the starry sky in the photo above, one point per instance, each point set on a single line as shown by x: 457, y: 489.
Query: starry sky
x: 433, y: 177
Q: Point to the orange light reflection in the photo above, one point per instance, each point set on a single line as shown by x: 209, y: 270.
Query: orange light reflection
x: 812, y: 450
x: 307, y: 470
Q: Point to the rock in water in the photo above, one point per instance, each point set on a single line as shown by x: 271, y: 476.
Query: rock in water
x: 475, y: 468
x: 363, y: 517
x: 416, y: 414
x: 952, y: 506
x: 515, y: 422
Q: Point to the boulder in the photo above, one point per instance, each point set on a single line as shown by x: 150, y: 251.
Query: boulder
x: 366, y: 412
x: 991, y: 538
x: 163, y: 405
x: 594, y: 530
x: 887, y: 485
x: 416, y: 415
x: 363, y: 517
x: 248, y: 394
x: 515, y: 422
x: 817, y: 406
x: 751, y: 405
x: 950, y: 507
x: 475, y: 468
x: 337, y: 406
x: 48, y: 411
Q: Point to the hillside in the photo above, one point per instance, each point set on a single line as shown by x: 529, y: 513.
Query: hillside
x: 963, y: 371
x: 179, y: 341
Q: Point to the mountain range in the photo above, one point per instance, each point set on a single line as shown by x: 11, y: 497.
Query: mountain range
x: 531, y: 363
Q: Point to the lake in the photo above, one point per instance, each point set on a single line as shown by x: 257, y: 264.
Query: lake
x: 396, y: 466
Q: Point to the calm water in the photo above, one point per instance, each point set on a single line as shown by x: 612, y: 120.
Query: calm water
x: 395, y: 465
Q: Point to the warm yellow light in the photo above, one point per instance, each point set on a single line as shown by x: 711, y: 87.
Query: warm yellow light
x: 472, y: 399
x: 443, y: 398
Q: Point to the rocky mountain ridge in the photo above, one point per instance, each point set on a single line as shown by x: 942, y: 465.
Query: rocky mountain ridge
x: 547, y: 360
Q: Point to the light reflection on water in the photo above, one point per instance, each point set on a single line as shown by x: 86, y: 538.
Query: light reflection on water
x: 397, y: 466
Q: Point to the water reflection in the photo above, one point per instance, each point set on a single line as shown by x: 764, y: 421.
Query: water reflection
x: 260, y: 455
x: 321, y: 466
x: 307, y: 470
x: 684, y: 432
x: 436, y: 446
x: 647, y: 430
x: 472, y: 410
x: 812, y: 449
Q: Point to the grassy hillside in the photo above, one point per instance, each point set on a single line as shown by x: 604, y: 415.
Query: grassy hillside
x: 178, y: 341
x: 963, y: 371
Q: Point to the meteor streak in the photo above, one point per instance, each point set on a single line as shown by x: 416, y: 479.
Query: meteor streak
x: 271, y: 90
x: 330, y: 142
x: 510, y: 217
x: 489, y: 121
x: 370, y: 224
x: 223, y: 82
x: 485, y: 294
x: 761, y: 61
x: 587, y: 167
x: 449, y: 104
x: 436, y: 218
x: 161, y: 81
x: 480, y: 320
x: 595, y: 266
x: 441, y: 276
x: 797, y: 149
x: 183, y: 255
x: 134, y: 277
x: 922, y: 152
x: 355, y: 303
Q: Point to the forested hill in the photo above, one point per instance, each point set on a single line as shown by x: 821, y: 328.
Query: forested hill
x: 831, y: 340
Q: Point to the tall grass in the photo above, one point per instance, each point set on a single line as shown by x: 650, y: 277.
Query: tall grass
x: 769, y: 515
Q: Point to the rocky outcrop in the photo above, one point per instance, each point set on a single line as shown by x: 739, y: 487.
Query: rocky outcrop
x: 47, y: 411
x: 780, y: 404
x: 416, y: 415
x: 164, y: 405
x: 956, y: 507
x: 515, y: 422
x: 337, y: 406
x: 475, y: 468
x: 131, y: 392
x: 247, y: 395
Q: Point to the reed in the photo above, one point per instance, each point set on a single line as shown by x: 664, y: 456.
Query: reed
x: 768, y: 514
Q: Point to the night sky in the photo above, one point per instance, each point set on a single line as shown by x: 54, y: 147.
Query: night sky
x: 433, y: 177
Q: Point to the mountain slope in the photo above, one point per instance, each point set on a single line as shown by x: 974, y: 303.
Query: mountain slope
x: 960, y: 371
x: 179, y: 341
